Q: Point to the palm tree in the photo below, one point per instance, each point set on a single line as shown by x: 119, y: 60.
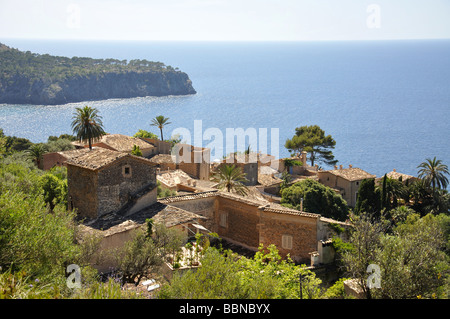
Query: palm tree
x: 35, y: 152
x: 160, y: 121
x: 231, y: 178
x: 87, y: 124
x: 433, y: 171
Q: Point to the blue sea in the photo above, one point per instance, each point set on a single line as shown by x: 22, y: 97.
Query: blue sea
x: 386, y: 103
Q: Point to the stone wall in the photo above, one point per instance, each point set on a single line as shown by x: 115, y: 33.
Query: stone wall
x: 119, y: 181
x: 49, y: 160
x: 202, y: 206
x: 238, y: 222
x: 302, y: 229
x: 82, y: 191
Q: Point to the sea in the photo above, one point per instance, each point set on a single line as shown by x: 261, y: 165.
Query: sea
x: 386, y: 103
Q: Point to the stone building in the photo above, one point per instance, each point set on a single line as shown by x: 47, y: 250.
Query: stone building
x: 50, y: 160
x: 118, y: 189
x: 102, y: 181
x: 192, y: 160
x: 345, y: 181
x: 249, y: 223
x: 248, y: 163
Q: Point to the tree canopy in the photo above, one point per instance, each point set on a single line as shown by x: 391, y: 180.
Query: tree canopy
x: 87, y: 124
x: 55, y: 68
x: 317, y: 198
x: 312, y: 139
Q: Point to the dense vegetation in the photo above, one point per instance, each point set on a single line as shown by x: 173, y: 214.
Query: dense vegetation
x: 316, y: 198
x: 27, y: 77
x: 56, y: 68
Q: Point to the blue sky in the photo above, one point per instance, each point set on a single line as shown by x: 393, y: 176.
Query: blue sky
x: 225, y: 20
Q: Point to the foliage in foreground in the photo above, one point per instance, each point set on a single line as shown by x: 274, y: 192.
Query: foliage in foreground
x: 411, y: 256
x: 226, y: 275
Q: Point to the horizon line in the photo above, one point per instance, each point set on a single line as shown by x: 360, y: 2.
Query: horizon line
x: 219, y: 41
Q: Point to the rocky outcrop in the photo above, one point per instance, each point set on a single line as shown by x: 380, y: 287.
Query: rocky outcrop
x: 23, y: 89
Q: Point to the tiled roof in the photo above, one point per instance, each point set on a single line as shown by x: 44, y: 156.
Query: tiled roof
x: 265, y: 206
x: 73, y: 153
x: 351, y: 174
x: 159, y: 212
x: 163, y: 158
x: 276, y: 208
x: 120, y: 142
x: 181, y: 198
x: 396, y: 175
x: 123, y: 143
x: 100, y: 157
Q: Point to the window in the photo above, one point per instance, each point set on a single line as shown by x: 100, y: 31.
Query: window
x: 126, y: 171
x: 286, y: 241
x: 223, y: 219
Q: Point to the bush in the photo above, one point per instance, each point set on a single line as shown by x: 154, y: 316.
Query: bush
x: 317, y: 198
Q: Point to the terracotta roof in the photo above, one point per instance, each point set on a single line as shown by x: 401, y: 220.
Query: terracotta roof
x: 181, y: 198
x: 162, y: 158
x: 123, y: 143
x: 159, y: 212
x: 396, y: 175
x: 100, y: 157
x: 173, y: 178
x: 273, y: 208
x: 351, y: 174
x: 264, y: 205
x: 120, y: 142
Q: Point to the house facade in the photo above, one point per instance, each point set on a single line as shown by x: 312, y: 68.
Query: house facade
x: 345, y: 181
x: 101, y: 181
x: 249, y: 223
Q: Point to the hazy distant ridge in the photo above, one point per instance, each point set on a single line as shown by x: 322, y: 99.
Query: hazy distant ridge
x: 30, y: 78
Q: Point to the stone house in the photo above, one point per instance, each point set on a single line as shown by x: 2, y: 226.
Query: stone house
x: 248, y: 163
x: 114, y: 142
x: 114, y: 230
x: 101, y: 181
x: 345, y: 181
x: 50, y: 160
x: 161, y: 147
x: 405, y: 178
x: 249, y: 223
x: 194, y: 161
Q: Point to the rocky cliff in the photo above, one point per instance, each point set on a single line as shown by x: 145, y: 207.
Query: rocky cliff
x: 27, y: 78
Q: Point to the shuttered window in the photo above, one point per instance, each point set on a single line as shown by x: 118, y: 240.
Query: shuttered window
x: 286, y: 241
x: 223, y: 220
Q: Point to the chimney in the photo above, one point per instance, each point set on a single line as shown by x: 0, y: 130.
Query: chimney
x: 394, y: 169
x: 350, y: 166
x: 340, y: 166
x: 303, y: 157
x: 335, y: 166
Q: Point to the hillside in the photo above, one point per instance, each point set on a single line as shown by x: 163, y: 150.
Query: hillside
x: 30, y: 78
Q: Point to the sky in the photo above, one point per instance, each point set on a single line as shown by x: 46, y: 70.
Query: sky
x: 225, y: 20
